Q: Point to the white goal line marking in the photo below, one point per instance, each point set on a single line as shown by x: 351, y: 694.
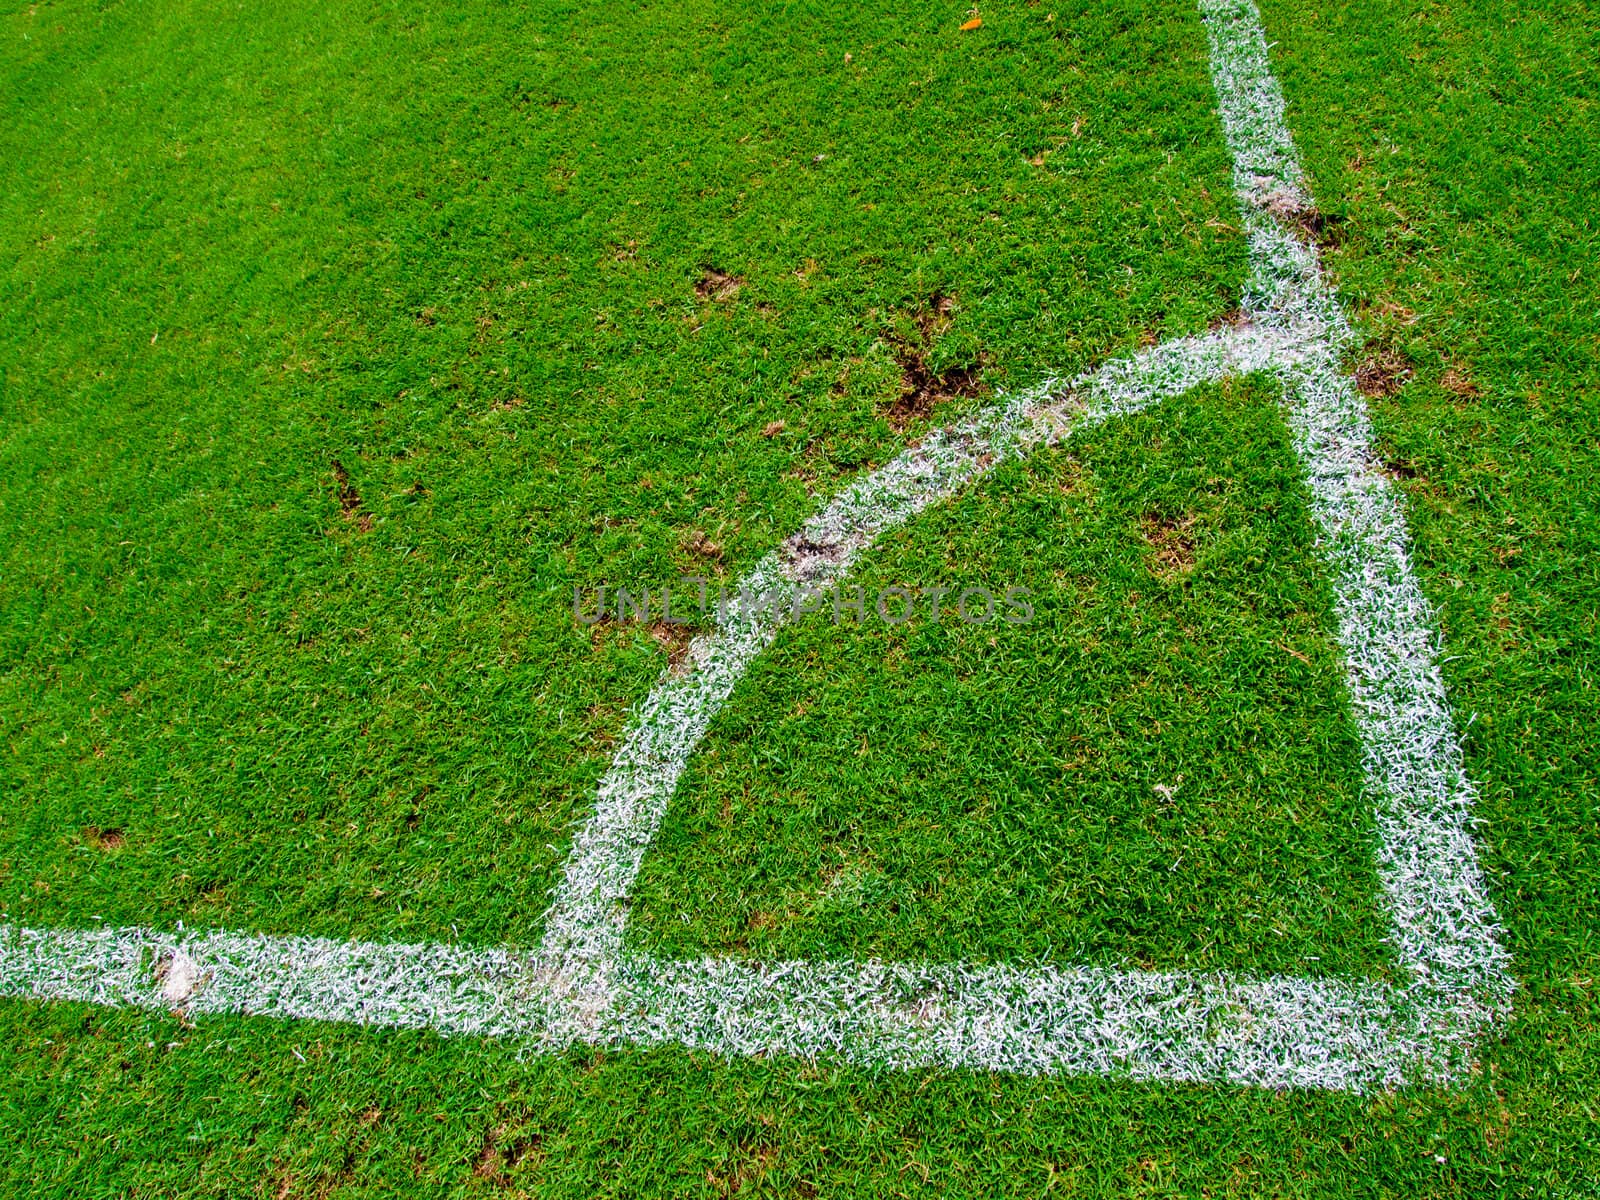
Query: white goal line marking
x: 585, y: 983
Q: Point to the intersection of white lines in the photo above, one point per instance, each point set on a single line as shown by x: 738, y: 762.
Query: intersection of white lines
x: 585, y: 983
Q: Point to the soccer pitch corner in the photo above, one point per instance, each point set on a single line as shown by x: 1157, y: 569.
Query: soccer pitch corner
x: 588, y: 982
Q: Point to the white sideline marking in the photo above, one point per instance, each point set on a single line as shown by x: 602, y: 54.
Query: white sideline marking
x: 585, y: 983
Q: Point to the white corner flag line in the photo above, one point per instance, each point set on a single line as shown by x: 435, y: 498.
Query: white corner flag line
x: 585, y: 983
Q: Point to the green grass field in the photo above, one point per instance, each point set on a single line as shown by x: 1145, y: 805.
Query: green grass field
x: 989, y: 791
x: 340, y: 342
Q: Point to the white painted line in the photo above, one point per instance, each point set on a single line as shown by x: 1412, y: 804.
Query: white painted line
x: 1443, y: 926
x: 584, y: 926
x: 446, y: 988
x: 586, y: 983
x: 1182, y: 1026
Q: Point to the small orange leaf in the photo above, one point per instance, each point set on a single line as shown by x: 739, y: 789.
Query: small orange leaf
x: 972, y: 24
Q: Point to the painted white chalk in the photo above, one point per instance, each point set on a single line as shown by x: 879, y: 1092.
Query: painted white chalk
x: 584, y: 982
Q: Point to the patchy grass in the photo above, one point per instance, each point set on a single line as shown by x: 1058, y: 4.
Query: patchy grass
x: 314, y: 419
x: 1155, y: 770
x: 329, y: 375
x: 914, y: 343
x: 456, y: 251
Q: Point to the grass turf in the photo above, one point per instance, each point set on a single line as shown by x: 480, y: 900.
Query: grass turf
x: 312, y: 423
x: 265, y: 638
x: 1156, y: 770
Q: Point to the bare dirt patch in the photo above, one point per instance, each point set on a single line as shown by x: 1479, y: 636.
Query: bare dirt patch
x: 807, y: 558
x: 1382, y: 373
x: 674, y: 639
x: 502, y: 1151
x: 1323, y: 229
x: 1402, y: 471
x: 102, y: 839
x: 350, y: 506
x: 717, y: 285
x: 922, y: 388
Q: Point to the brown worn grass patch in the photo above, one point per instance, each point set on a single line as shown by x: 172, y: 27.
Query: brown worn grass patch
x: 502, y: 1151
x: 602, y: 724
x: 1171, y: 542
x: 1457, y: 384
x: 747, y: 1166
x: 674, y: 639
x: 1382, y: 373
x: 698, y: 543
x: 1395, y: 312
x: 350, y: 506
x: 102, y: 839
x: 922, y: 388
x: 717, y: 285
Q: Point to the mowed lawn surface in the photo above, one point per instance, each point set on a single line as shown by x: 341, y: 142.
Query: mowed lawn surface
x: 342, y: 342
x: 339, y: 343
x: 1155, y: 770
